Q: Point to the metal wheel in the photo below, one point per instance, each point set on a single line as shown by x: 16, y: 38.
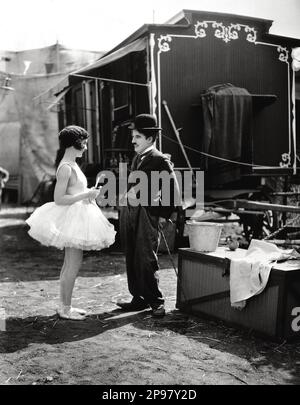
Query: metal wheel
x: 259, y: 226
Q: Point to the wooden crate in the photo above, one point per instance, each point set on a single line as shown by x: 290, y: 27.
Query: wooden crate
x: 203, y: 288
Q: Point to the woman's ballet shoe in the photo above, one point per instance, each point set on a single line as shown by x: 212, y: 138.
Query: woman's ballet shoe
x: 69, y: 313
x: 79, y: 310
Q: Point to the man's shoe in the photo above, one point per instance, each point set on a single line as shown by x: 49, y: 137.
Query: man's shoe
x: 132, y: 306
x: 159, y: 311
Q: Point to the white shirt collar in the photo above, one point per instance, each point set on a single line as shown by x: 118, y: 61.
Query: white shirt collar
x: 146, y: 150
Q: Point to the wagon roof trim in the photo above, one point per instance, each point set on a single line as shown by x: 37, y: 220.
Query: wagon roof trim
x: 176, y: 22
x: 187, y: 14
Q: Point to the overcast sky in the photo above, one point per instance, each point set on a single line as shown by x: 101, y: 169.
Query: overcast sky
x: 102, y: 24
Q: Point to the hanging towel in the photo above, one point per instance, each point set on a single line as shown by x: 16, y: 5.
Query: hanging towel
x: 249, y: 275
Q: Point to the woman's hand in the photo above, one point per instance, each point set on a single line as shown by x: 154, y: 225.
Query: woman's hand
x: 93, y: 193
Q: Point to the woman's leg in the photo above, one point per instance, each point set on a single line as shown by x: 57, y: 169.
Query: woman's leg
x: 69, y: 271
x: 60, y: 277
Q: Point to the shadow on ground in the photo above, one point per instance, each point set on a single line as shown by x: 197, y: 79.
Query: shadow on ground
x: 21, y: 332
x: 259, y: 353
x: 202, y: 344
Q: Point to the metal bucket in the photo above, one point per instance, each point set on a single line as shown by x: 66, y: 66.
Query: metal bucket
x: 204, y: 236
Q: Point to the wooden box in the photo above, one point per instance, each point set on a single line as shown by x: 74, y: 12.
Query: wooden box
x: 203, y: 288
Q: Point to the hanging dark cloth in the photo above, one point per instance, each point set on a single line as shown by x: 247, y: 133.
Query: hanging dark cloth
x: 227, y: 115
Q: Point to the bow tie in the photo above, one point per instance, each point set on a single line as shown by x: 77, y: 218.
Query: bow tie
x: 139, y: 159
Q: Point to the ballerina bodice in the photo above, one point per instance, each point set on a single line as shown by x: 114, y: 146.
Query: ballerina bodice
x: 78, y: 183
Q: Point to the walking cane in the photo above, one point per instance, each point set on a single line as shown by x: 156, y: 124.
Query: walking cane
x: 168, y: 249
x: 171, y: 258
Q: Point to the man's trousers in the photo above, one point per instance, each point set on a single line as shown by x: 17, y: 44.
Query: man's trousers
x: 140, y: 238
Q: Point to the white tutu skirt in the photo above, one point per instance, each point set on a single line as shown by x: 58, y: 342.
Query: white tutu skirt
x: 81, y: 225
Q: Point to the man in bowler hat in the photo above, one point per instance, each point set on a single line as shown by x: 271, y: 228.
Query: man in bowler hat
x: 139, y: 224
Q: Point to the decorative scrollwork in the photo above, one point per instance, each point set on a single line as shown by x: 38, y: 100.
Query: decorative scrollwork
x: 200, y: 29
x: 226, y: 33
x: 163, y: 44
x: 296, y: 59
x: 286, y: 160
x: 251, y: 37
x: 283, y: 54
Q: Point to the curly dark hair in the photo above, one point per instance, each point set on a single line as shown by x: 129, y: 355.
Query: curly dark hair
x: 71, y: 135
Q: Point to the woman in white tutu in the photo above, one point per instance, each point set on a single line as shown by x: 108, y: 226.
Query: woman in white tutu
x: 74, y: 221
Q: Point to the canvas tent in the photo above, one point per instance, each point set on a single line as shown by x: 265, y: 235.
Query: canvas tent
x: 28, y: 115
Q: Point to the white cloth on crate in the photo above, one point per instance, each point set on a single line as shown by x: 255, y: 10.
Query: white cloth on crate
x: 80, y: 225
x: 249, y: 275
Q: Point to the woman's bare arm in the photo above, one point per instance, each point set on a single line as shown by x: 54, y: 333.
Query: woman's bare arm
x: 60, y: 193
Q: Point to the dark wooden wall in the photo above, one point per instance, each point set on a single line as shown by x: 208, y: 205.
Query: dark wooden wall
x: 193, y: 65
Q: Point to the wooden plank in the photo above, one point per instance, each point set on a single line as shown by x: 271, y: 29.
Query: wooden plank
x: 285, y: 241
x: 272, y: 171
x: 228, y: 211
x: 264, y: 206
x: 286, y: 193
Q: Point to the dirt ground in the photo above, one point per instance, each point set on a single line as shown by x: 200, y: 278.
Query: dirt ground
x: 111, y: 347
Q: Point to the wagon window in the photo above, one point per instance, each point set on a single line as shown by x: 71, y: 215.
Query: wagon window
x: 121, y: 96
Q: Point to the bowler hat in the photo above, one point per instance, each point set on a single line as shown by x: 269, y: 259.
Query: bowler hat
x: 145, y: 122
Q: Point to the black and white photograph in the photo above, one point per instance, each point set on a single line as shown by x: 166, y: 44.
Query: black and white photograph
x: 149, y: 195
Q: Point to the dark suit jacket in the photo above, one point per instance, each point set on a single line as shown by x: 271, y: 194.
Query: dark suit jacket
x: 155, y: 161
